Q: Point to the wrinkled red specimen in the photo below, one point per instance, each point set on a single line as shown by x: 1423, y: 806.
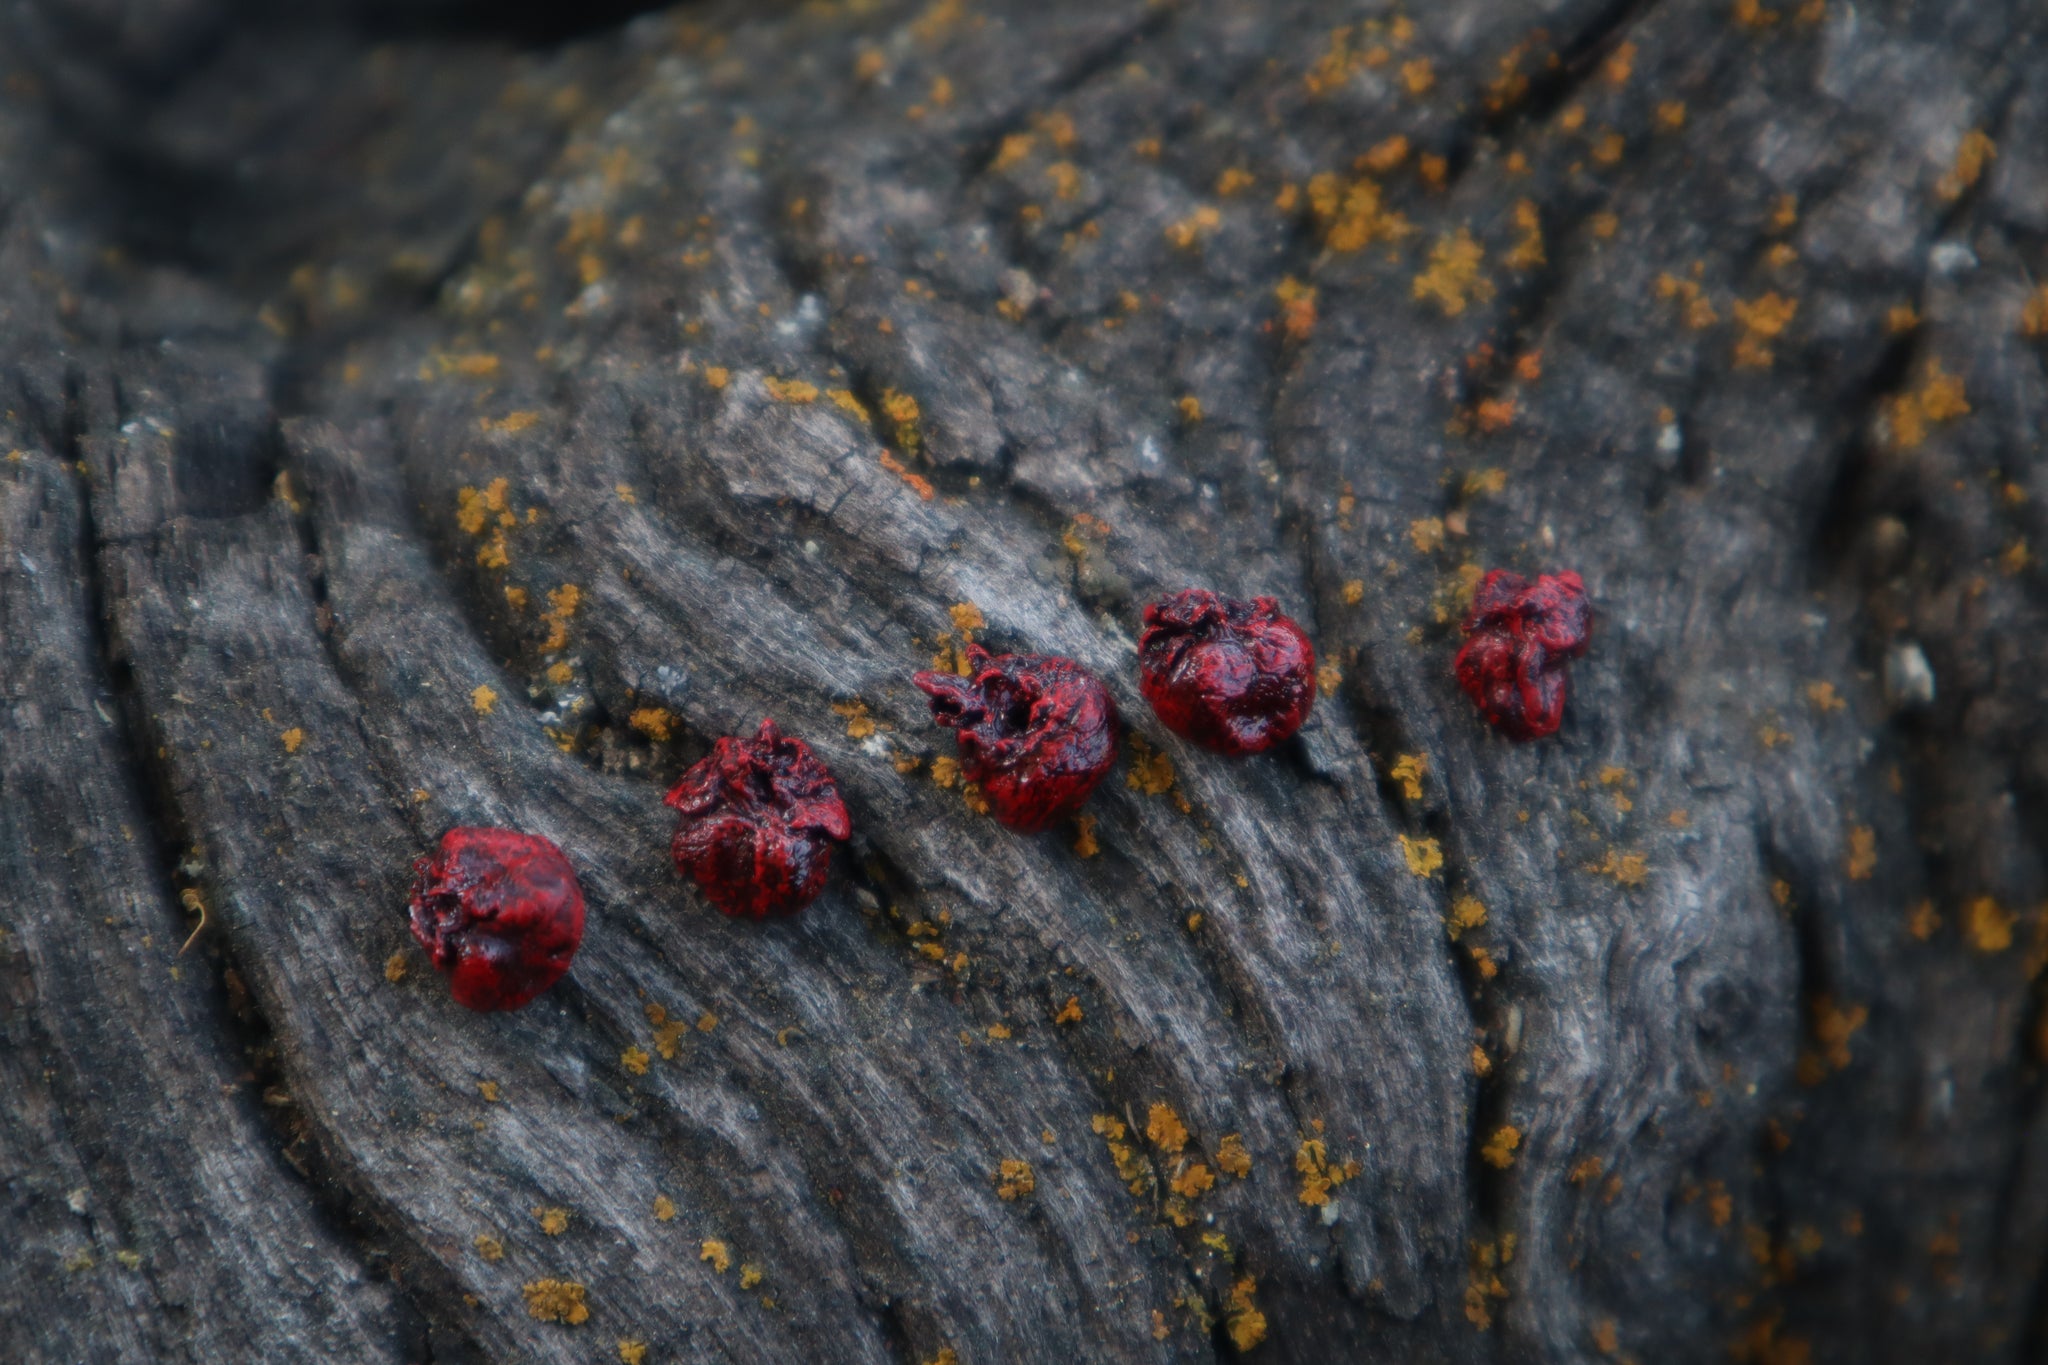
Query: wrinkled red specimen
x: 1522, y: 635
x: 1234, y: 676
x: 500, y: 914
x: 1036, y: 731
x: 759, y: 818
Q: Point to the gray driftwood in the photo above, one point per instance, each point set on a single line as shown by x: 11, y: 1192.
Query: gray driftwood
x: 418, y: 416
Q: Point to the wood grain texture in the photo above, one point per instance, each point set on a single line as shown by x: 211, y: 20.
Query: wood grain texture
x: 448, y: 429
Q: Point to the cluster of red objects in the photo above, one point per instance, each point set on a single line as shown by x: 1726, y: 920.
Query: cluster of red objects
x: 1036, y: 731
x: 1233, y: 676
x: 758, y: 821
x: 1521, y: 635
x: 501, y: 914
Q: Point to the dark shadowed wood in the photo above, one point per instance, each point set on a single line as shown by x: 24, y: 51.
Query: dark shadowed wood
x: 429, y: 416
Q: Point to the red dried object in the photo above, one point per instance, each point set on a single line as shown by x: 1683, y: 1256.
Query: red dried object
x: 1036, y: 731
x: 1237, y: 677
x: 500, y: 914
x: 1522, y: 635
x: 759, y: 818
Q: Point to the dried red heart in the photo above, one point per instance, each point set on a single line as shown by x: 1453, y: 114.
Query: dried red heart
x: 1036, y: 731
x: 1522, y: 635
x: 759, y: 819
x: 499, y: 912
x: 1234, y: 676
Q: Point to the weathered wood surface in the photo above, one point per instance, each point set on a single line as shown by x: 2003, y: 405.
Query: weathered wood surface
x: 283, y: 297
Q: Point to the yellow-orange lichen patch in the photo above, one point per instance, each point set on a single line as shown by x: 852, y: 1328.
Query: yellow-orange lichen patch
x: 1318, y: 1175
x: 1408, y: 770
x: 1352, y: 213
x: 1232, y: 1157
x: 556, y: 1301
x: 1297, y: 308
x: 1427, y: 534
x: 395, y: 967
x: 1453, y: 280
x: 1467, y: 913
x: 1628, y: 869
x: 1527, y: 252
x: 1940, y: 398
x: 790, y: 390
x: 1385, y: 156
x: 1164, y: 1129
x: 1763, y: 320
x: 2034, y: 314
x: 292, y: 739
x: 1922, y: 920
x: 553, y: 1221
x: 1151, y: 772
x: 664, y: 1209
x: 1499, y: 1151
x: 1973, y: 153
x: 1823, y: 697
x: 488, y: 1247
x: 1418, y: 76
x: 1187, y: 232
x: 1862, y: 858
x: 1425, y: 857
x: 655, y: 722
x: 1192, y: 1180
x: 1085, y: 845
x: 1988, y: 925
x: 716, y: 1252
x: 1241, y: 1316
x: 1014, y: 1179
x: 1069, y: 1013
x: 859, y: 724
x: 635, y: 1060
x: 1833, y: 1026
